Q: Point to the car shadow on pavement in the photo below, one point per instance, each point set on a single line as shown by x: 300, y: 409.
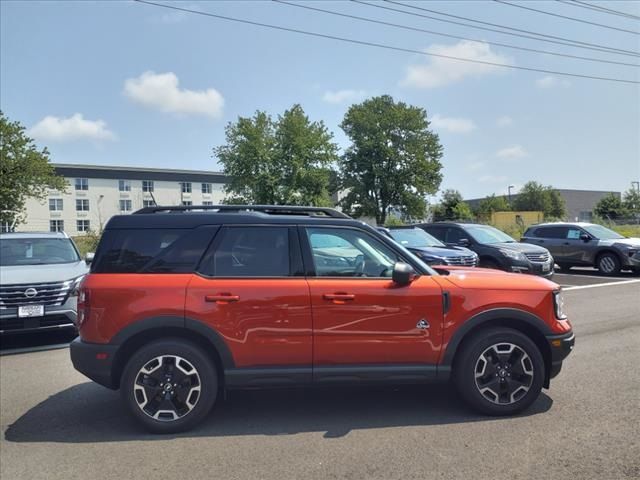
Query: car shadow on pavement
x: 91, y: 413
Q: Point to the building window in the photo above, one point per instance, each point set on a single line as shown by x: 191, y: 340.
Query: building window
x: 207, y: 203
x: 186, y: 187
x: 55, y: 204
x: 206, y: 188
x: 56, y: 225
x: 147, y: 185
x: 6, y: 227
x: 148, y: 203
x: 125, y: 205
x: 82, y: 205
x: 82, y: 225
x: 82, y: 184
x: 187, y: 203
x: 124, y: 185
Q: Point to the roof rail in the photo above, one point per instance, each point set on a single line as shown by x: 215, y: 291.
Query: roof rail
x: 270, y: 209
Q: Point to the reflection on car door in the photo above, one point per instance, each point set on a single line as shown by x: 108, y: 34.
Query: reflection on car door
x: 360, y: 317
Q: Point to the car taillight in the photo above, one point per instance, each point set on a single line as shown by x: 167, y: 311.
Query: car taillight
x: 84, y: 305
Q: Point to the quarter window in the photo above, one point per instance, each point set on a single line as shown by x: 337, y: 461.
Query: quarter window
x: 349, y: 253
x: 82, y: 184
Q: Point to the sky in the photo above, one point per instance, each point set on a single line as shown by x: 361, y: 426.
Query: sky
x: 129, y: 84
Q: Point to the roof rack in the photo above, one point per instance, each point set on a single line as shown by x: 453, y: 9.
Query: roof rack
x: 269, y: 209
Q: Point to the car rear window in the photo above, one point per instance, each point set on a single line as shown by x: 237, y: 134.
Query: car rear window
x: 152, y: 250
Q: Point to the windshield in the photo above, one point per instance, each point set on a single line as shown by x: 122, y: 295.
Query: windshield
x: 486, y: 235
x: 602, y: 233
x: 415, y: 238
x: 36, y: 251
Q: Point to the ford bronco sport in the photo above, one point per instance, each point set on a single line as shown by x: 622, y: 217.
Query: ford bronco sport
x: 183, y: 302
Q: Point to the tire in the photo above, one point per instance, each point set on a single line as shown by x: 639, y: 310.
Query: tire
x: 183, y: 401
x: 516, y: 362
x: 489, y: 263
x: 608, y: 264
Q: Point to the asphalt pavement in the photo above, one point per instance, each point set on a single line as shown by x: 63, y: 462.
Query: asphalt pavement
x: 57, y: 424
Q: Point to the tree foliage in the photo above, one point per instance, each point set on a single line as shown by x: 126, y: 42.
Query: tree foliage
x: 610, y: 206
x: 278, y: 162
x: 491, y: 204
x: 631, y: 201
x: 393, y: 160
x: 537, y: 197
x: 25, y: 172
x: 452, y: 207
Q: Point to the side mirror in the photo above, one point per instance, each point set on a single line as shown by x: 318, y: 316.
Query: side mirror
x: 403, y: 274
x: 88, y: 258
x: 585, y: 237
x: 464, y: 242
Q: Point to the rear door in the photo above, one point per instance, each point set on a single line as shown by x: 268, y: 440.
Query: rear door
x: 251, y: 289
x: 551, y: 238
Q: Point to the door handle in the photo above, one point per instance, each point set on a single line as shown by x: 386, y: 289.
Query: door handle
x: 222, y: 298
x: 339, y: 297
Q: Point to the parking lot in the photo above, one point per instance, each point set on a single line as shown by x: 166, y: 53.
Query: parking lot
x: 57, y: 424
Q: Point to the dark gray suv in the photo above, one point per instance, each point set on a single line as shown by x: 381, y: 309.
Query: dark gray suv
x: 586, y: 244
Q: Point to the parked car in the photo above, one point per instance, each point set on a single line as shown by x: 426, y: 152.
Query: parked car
x: 586, y: 244
x: 181, y: 303
x: 39, y: 276
x: 495, y: 248
x: 429, y: 249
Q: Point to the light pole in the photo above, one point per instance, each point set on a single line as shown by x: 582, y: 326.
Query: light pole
x: 509, y: 190
x: 637, y: 184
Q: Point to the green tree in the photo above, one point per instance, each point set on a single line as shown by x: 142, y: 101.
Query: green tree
x: 25, y: 172
x: 278, y: 162
x: 631, y: 201
x: 491, y: 204
x: 536, y: 197
x: 393, y: 160
x: 452, y: 207
x: 610, y: 206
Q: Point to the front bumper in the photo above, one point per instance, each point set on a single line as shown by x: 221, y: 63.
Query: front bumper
x: 544, y: 269
x: 95, y: 361
x: 561, y: 346
x: 54, y: 318
x: 631, y: 261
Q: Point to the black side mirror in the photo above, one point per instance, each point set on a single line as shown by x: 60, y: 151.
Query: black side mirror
x: 403, y: 274
x: 464, y: 242
x: 585, y: 237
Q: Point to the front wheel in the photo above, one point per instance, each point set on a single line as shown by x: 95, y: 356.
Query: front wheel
x: 169, y: 385
x: 609, y: 264
x: 499, y: 372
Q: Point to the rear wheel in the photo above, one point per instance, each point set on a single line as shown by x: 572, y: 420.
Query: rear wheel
x: 499, y: 371
x: 169, y: 385
x: 608, y: 263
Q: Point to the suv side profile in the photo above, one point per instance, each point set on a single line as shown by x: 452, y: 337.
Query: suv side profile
x: 39, y: 276
x: 183, y: 302
x: 495, y: 248
x: 586, y: 245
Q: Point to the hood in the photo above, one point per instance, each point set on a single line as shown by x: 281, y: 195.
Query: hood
x: 519, y: 247
x: 489, y: 279
x: 443, y: 252
x: 29, y: 274
x: 626, y: 242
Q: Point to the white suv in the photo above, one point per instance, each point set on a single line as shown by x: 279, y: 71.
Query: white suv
x: 39, y: 275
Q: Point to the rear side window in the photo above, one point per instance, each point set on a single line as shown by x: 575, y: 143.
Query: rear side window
x: 250, y: 252
x: 152, y: 250
x: 550, y: 232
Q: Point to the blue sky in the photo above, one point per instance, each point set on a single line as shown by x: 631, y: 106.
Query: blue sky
x: 124, y: 83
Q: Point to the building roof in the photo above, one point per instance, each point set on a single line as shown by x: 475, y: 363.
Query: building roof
x: 138, y: 173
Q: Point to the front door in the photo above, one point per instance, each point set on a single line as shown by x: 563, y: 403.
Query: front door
x: 574, y: 249
x: 360, y: 317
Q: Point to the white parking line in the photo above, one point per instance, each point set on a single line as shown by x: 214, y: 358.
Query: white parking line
x: 608, y: 284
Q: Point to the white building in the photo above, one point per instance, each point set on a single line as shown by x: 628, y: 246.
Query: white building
x: 96, y: 193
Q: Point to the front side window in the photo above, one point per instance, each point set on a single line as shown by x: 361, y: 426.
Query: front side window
x: 206, y: 188
x: 147, y: 185
x: 82, y: 184
x: 55, y: 204
x: 574, y: 234
x: 37, y: 251
x: 251, y: 252
x: 185, y: 187
x: 602, y: 233
x: 349, y: 253
x: 82, y: 205
x: 125, y: 205
x: 124, y: 185
x: 82, y: 225
x: 56, y: 225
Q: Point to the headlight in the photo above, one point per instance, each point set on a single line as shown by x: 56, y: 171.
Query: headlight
x: 513, y: 254
x: 558, y: 303
x: 74, y: 283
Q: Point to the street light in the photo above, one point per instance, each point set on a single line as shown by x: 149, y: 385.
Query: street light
x: 509, y: 189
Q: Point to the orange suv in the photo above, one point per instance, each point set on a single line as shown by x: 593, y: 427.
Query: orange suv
x: 183, y: 302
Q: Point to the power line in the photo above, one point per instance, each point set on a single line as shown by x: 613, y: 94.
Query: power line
x: 422, y: 30
x: 565, y: 17
x: 572, y: 43
x: 598, y: 8
x: 386, y: 47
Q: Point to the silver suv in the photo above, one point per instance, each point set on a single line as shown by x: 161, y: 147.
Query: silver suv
x: 39, y: 275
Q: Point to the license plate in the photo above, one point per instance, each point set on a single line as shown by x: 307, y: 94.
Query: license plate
x: 546, y: 267
x: 31, y: 311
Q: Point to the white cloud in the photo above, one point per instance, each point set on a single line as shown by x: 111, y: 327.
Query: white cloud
x: 551, y: 82
x: 504, y: 121
x: 343, y: 96
x: 513, y: 152
x: 475, y: 166
x: 75, y: 127
x: 492, y: 179
x: 442, y: 71
x: 453, y: 125
x: 160, y: 91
